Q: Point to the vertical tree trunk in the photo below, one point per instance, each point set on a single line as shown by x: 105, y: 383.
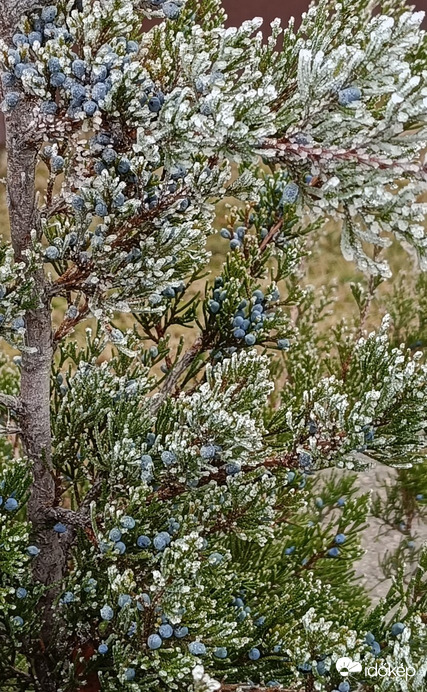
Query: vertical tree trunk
x: 48, y: 567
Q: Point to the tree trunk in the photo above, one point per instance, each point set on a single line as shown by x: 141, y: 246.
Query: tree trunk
x: 48, y: 566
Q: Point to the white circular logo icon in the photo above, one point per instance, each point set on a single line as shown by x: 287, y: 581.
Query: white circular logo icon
x: 345, y: 666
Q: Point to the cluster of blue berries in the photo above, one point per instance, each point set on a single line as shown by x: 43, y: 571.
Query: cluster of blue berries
x: 242, y: 611
x: 118, y: 546
x: 44, y: 27
x: 339, y: 539
x: 171, y: 292
x: 115, y: 536
x: 219, y: 295
x: 372, y: 642
x: 166, y: 631
x: 89, y: 86
x: 54, y: 161
x: 102, y: 145
x: 236, y: 236
x: 162, y: 539
x: 250, y: 316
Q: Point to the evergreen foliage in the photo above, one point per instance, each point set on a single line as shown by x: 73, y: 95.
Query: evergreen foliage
x: 205, y: 544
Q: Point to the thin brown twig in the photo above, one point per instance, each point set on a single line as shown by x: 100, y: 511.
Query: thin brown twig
x: 173, y: 377
x: 317, y: 152
x: 79, y: 518
x: 172, y: 490
x: 272, y: 232
x: 68, y: 324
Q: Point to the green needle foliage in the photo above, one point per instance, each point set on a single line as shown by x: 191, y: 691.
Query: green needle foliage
x: 199, y: 487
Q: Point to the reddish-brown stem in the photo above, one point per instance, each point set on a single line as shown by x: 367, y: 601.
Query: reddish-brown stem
x: 272, y: 232
x: 318, y: 153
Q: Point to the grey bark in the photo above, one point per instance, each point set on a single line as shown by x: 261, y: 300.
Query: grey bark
x: 48, y: 567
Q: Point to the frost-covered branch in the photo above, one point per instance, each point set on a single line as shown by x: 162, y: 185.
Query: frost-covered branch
x: 191, y: 530
x: 9, y: 430
x: 323, y: 156
x: 9, y: 401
